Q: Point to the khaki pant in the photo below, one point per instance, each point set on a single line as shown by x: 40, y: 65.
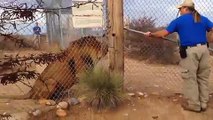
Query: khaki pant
x: 36, y: 40
x: 195, y: 73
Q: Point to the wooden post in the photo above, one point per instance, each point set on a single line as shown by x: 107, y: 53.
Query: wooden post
x: 118, y: 28
x: 116, y: 36
x: 111, y: 39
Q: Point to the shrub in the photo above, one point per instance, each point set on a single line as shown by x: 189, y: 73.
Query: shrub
x: 154, y: 50
x: 102, y: 89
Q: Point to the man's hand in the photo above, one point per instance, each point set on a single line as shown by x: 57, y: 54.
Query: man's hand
x: 210, y: 36
x: 148, y: 34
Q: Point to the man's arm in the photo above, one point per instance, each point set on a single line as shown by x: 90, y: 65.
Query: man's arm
x: 39, y: 29
x: 34, y: 29
x: 172, y: 27
x: 159, y: 34
x: 210, y: 36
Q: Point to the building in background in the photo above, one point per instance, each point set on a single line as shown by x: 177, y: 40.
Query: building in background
x: 66, y: 23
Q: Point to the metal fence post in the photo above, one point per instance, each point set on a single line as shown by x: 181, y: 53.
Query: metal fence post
x: 61, y: 41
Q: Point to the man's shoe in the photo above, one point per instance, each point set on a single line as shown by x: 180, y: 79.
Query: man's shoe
x: 191, y: 108
x: 203, y: 106
x: 203, y: 109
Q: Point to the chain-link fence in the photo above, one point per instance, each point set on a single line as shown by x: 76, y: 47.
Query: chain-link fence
x: 78, y: 27
x: 152, y: 65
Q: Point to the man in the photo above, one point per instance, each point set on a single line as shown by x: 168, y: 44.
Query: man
x: 191, y: 28
x: 37, y: 33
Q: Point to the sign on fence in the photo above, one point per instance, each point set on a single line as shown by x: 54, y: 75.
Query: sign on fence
x: 88, y: 16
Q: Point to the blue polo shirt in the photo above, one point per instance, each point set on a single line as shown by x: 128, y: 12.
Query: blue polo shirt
x: 190, y: 33
x: 37, y: 30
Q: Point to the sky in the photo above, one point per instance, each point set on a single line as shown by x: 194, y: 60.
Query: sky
x: 162, y: 10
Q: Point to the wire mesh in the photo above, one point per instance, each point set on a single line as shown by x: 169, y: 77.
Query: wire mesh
x: 85, y: 47
x: 151, y: 64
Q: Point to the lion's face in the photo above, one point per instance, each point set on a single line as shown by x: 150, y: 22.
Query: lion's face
x: 89, y: 46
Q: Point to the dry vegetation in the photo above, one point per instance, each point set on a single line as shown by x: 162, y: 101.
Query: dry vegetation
x: 154, y: 50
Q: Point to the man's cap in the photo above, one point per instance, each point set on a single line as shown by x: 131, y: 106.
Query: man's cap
x: 187, y: 3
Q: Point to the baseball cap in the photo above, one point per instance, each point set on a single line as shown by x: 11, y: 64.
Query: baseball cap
x: 186, y: 3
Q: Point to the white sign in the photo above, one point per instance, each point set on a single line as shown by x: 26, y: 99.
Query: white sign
x: 87, y: 0
x: 87, y: 22
x: 88, y: 16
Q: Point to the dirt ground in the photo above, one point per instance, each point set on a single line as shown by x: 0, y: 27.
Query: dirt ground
x: 151, y: 107
x: 158, y: 79
x: 161, y: 84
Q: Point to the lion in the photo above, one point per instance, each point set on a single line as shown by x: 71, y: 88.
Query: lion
x: 59, y: 76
